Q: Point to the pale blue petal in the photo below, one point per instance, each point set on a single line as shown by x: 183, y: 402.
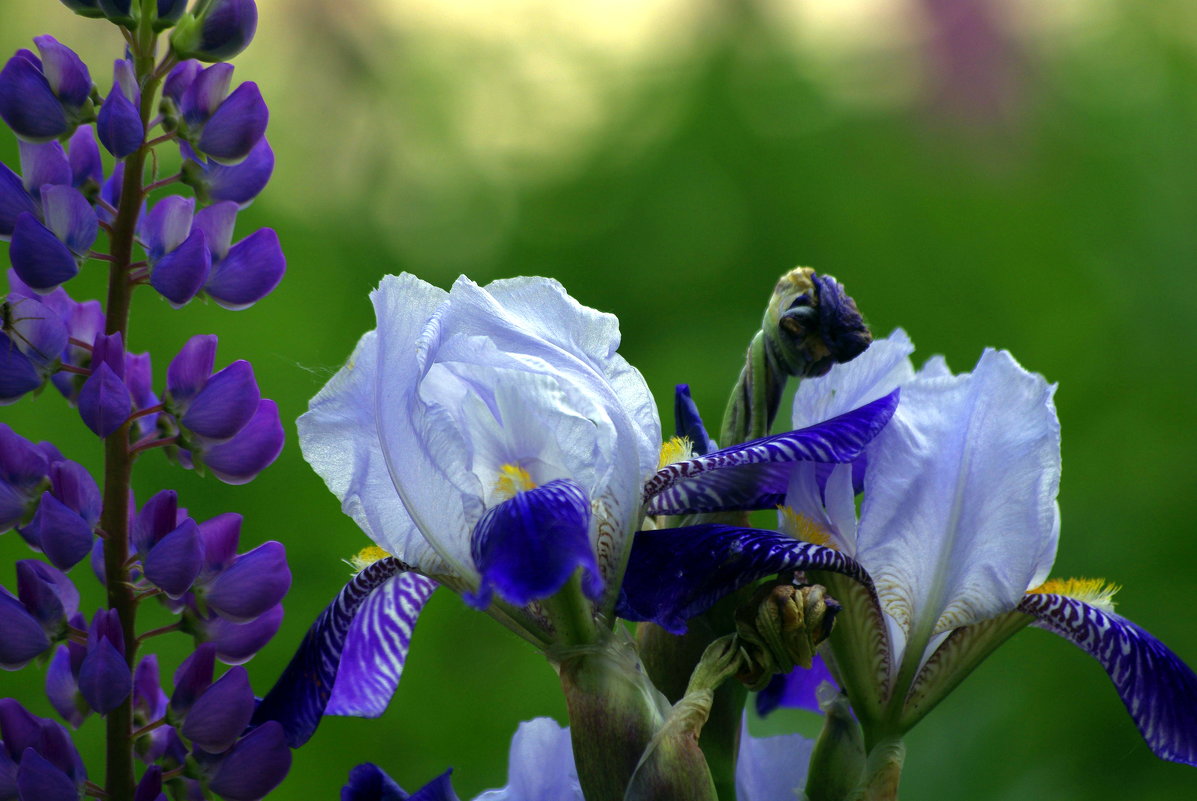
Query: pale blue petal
x: 540, y: 765
x: 881, y: 369
x: 772, y: 768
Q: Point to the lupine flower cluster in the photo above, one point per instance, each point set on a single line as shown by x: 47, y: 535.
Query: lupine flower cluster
x: 94, y: 189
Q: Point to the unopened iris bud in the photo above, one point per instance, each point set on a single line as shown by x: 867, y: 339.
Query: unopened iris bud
x: 221, y: 713
x: 222, y: 30
x: 811, y: 323
x: 780, y: 627
x: 45, y: 98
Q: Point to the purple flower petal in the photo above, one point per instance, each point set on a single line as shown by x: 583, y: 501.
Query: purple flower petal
x: 23, y: 637
x: 104, y: 401
x: 217, y: 222
x: 688, y: 422
x: 18, y: 376
x: 109, y: 349
x: 236, y: 126
x: 157, y: 518
x: 225, y: 29
x: 180, y: 275
x: 228, y: 401
x: 74, y: 486
x: 528, y: 546
x: 72, y: 219
x: 755, y: 475
x: 180, y: 79
x: 256, y: 581
x: 63, y: 690
x: 236, y: 643
x: 28, y: 104
x: 221, y: 535
x: 43, y: 163
x: 86, y: 167
x: 40, y: 259
x: 239, y: 183
x: 150, y: 786
x: 104, y: 678
x: 65, y: 72
x: 675, y: 574
x: 221, y: 713
x: 166, y: 225
x: 368, y: 782
x: 190, y: 370
x: 174, y: 562
x: 60, y: 532
x: 374, y: 614
x: 251, y: 270
x: 1158, y: 689
x: 205, y: 93
x: 39, y: 333
x: 18, y: 728
x: 119, y: 124
x: 14, y: 200
x: 193, y: 677
x: 796, y: 689
x: 255, y: 447
x: 255, y: 765
x: 148, y: 698
x: 46, y: 593
x: 39, y: 780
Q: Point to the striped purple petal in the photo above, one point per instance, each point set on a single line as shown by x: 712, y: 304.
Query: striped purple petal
x: 674, y: 574
x: 303, y: 693
x: 528, y: 546
x: 755, y: 475
x: 1159, y: 690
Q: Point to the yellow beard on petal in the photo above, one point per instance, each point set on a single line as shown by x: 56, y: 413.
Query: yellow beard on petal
x: 1095, y: 592
x: 513, y: 480
x: 366, y: 557
x: 801, y: 527
x: 677, y: 449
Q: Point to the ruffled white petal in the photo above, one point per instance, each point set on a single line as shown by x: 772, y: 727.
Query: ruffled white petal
x: 959, y: 514
x: 871, y: 375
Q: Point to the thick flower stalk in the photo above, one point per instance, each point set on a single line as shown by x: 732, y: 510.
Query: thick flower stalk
x: 73, y: 206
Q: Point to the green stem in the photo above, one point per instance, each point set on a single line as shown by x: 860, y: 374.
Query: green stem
x: 118, y: 462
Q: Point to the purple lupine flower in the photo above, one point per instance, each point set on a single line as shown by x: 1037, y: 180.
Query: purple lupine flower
x: 139, y: 379
x: 44, y: 98
x: 122, y: 12
x: 221, y: 713
x: 239, y: 183
x: 174, y: 561
x: 37, y: 332
x: 119, y: 124
x: 192, y: 677
x: 104, y: 400
x: 236, y: 643
x: 169, y: 12
x: 62, y: 684
x: 45, y: 256
x: 225, y: 405
x: 42, y: 163
x: 223, y: 126
x: 18, y: 377
x: 252, y: 585
x: 24, y: 638
x: 223, y: 29
x: 23, y: 474
x: 177, y: 253
x: 47, y: 594
x: 87, y: 171
x: 84, y: 8
x: 150, y: 705
x: 104, y: 677
x: 49, y: 767
x: 254, y: 766
x: 59, y: 532
x: 245, y: 272
x: 252, y: 450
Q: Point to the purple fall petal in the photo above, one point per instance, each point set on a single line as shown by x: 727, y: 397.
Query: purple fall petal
x: 104, y: 402
x: 40, y: 259
x: 180, y: 275
x: 251, y: 270
x: 226, y: 404
x: 119, y: 125
x: 236, y: 643
x: 104, y: 678
x: 675, y: 574
x: 219, y: 716
x: 256, y: 581
x: 39, y: 780
x: 23, y: 637
x: 28, y: 104
x: 255, y: 765
x: 302, y: 695
x: 236, y: 126
x: 239, y: 460
x: 528, y: 546
x: 1158, y: 689
x: 755, y: 475
x: 174, y: 562
x: 60, y: 532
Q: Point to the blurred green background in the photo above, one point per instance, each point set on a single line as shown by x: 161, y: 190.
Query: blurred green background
x: 1009, y: 174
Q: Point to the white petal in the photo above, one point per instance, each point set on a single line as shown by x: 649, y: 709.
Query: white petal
x: 875, y: 373
x: 772, y: 768
x: 540, y: 765
x: 960, y: 512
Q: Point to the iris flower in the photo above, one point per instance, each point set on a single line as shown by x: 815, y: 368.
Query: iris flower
x: 950, y: 556
x: 491, y: 439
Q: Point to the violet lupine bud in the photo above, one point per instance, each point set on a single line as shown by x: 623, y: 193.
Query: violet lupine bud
x: 149, y: 705
x: 59, y: 532
x: 62, y: 684
x: 169, y: 12
x: 35, y: 333
x: 254, y: 766
x: 47, y: 594
x: 244, y: 273
x: 158, y: 517
x: 255, y: 582
x: 224, y: 127
x: 24, y: 638
x: 122, y: 12
x: 45, y: 256
x: 104, y: 400
x: 84, y: 8
x: 221, y: 713
x: 150, y: 786
x: 236, y: 643
x: 119, y: 124
x: 23, y: 473
x: 225, y: 405
x: 45, y: 98
x: 87, y: 170
x: 174, y: 562
x: 104, y: 677
x: 222, y: 30
x: 239, y: 183
x: 43, y: 753
x: 38, y: 779
x: 192, y: 678
x: 178, y: 256
x: 255, y: 447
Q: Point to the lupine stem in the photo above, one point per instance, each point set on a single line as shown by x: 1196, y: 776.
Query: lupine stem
x: 118, y: 459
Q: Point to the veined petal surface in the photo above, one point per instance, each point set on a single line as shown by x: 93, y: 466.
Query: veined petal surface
x: 877, y: 372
